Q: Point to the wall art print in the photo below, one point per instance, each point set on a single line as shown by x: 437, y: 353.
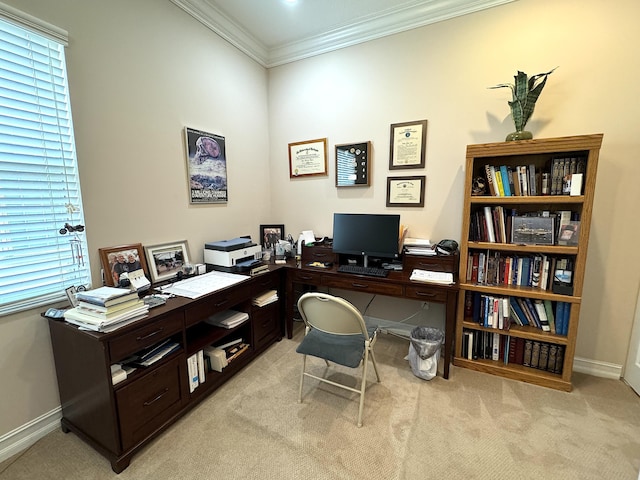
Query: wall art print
x: 206, y: 166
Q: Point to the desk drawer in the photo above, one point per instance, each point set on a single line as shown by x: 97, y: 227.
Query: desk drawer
x: 318, y: 253
x: 264, y: 282
x: 143, y: 337
x: 427, y: 294
x: 215, y: 303
x: 305, y: 276
x: 437, y: 263
x: 150, y: 401
x: 362, y: 285
x: 265, y: 324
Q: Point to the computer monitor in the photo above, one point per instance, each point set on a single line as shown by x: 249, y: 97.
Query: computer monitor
x: 368, y: 235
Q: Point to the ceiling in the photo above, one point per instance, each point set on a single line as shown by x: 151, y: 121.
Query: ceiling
x: 275, y: 32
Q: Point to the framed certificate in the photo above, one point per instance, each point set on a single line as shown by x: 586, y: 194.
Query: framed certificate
x: 308, y: 158
x: 408, y: 142
x: 405, y: 191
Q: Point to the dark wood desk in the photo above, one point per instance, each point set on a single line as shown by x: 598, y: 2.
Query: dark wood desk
x: 397, y: 284
x: 118, y: 420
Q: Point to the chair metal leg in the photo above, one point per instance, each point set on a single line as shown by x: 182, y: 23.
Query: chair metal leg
x: 363, y: 387
x: 304, y: 363
x: 375, y: 365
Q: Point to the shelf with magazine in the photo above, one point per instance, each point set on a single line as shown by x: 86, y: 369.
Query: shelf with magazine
x: 523, y: 251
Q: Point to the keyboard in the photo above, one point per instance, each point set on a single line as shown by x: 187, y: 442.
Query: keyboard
x: 359, y: 270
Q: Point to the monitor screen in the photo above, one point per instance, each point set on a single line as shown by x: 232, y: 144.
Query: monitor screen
x: 374, y: 235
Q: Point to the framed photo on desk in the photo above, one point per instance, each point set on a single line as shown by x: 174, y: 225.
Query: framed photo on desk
x: 166, y: 260
x: 270, y: 235
x: 118, y: 260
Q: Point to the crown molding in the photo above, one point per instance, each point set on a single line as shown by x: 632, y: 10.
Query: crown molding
x: 214, y: 19
x: 364, y: 30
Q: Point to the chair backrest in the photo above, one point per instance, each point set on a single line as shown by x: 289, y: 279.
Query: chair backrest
x: 331, y: 314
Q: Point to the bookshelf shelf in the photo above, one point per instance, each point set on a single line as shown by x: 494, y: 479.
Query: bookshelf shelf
x: 494, y: 272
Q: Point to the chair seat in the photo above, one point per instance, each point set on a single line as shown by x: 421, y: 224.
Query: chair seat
x: 344, y: 350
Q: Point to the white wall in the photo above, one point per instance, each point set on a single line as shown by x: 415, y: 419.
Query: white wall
x: 141, y: 71
x: 441, y: 73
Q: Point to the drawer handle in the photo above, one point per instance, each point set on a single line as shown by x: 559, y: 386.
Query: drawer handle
x: 306, y: 277
x: 219, y: 304
x: 149, y: 335
x: 360, y: 285
x: 425, y: 294
x: 151, y: 402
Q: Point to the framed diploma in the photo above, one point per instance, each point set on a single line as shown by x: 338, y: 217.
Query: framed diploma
x: 405, y: 191
x: 352, y: 165
x: 308, y: 158
x: 408, y: 142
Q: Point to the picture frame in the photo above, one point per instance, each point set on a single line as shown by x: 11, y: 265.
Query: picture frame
x: 206, y: 167
x: 532, y: 230
x: 120, y: 259
x: 166, y: 260
x: 353, y: 166
x: 270, y: 235
x: 308, y: 158
x: 407, y: 145
x: 406, y: 191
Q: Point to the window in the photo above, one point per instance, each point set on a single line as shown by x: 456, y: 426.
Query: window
x: 39, y: 184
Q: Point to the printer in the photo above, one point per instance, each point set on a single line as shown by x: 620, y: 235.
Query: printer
x: 235, y: 255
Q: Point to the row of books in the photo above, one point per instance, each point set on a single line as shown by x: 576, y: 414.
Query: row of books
x: 540, y: 271
x: 500, y: 225
x: 484, y: 345
x: 501, y: 312
x: 106, y: 309
x: 527, y: 180
x: 563, y: 175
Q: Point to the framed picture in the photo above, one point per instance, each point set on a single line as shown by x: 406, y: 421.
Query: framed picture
x: 408, y: 143
x: 270, y: 235
x: 206, y: 167
x: 308, y: 158
x: 166, y: 260
x: 124, y: 258
x: 532, y: 230
x: 352, y: 165
x: 405, y: 191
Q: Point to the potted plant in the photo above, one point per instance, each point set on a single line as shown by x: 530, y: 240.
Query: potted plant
x: 525, y: 91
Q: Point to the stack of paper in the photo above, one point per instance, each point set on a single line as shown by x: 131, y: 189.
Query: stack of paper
x: 266, y: 298
x: 228, y: 319
x: 429, y: 276
x: 418, y: 246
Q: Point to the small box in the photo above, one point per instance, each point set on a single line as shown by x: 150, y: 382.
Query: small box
x: 201, y: 269
x: 217, y: 358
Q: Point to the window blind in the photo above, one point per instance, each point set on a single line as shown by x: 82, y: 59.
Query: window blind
x: 39, y: 184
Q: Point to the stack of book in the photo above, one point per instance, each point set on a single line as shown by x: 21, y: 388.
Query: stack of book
x: 105, y: 309
x: 266, y: 298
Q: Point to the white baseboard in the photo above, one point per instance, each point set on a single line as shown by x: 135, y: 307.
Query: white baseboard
x: 597, y: 369
x: 23, y: 437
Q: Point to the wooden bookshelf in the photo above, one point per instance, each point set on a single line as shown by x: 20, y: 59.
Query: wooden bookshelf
x: 540, y: 154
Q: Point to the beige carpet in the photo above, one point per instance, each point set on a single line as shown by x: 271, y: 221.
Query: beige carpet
x: 472, y: 426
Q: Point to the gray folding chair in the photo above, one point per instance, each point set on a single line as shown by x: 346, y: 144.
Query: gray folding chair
x: 336, y: 332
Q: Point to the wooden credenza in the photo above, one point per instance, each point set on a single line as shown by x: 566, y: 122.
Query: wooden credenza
x: 118, y: 420
x: 396, y: 284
